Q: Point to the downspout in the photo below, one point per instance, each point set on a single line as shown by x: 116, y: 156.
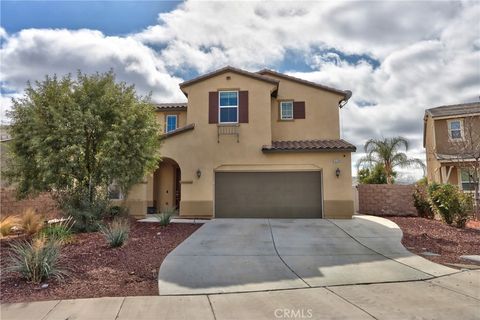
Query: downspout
x: 341, y: 104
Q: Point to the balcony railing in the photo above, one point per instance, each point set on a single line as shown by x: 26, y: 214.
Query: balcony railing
x: 228, y: 130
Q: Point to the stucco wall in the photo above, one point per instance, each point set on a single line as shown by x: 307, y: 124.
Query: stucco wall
x: 198, y: 149
x: 433, y: 165
x: 444, y: 144
x: 384, y: 200
x: 138, y: 198
x: 437, y: 141
x: 162, y: 116
x: 321, y: 113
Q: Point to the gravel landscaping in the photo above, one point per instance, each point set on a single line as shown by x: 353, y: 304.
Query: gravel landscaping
x: 422, y: 235
x: 96, y: 270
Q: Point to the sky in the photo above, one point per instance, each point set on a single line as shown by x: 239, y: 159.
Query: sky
x: 397, y: 57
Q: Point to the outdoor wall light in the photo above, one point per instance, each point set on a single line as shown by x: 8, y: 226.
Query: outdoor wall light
x: 337, y: 172
x: 199, y: 173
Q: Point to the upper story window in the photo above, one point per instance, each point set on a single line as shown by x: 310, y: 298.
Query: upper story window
x: 228, y: 106
x: 171, y: 122
x: 286, y: 110
x: 455, y: 130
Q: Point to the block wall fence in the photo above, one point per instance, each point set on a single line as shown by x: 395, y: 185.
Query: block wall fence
x: 386, y: 200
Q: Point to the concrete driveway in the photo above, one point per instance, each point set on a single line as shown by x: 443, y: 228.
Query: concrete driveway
x: 242, y: 255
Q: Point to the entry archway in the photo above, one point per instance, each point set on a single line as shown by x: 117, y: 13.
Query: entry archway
x: 166, y: 186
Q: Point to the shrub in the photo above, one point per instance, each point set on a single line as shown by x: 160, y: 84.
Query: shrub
x: 466, y: 206
x: 116, y: 232
x: 374, y: 175
x: 165, y: 216
x: 31, y: 222
x: 421, y: 200
x: 450, y: 203
x: 86, y: 213
x: 7, y: 223
x: 116, y: 212
x: 36, y: 261
x: 59, y: 231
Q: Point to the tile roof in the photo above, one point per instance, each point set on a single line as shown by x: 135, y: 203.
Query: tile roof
x: 454, y: 110
x: 188, y: 127
x: 266, y: 72
x: 170, y: 106
x: 454, y: 157
x: 229, y: 69
x: 310, y: 145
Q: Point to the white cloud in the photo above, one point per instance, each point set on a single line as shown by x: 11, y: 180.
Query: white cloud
x: 3, y: 33
x: 426, y: 73
x: 5, y: 103
x: 33, y: 53
x: 253, y: 34
x: 425, y: 54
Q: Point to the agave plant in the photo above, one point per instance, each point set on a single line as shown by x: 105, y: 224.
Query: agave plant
x: 116, y: 232
x: 36, y: 260
x: 165, y: 216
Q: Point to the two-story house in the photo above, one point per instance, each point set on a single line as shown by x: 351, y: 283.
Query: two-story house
x: 451, y: 138
x: 251, y: 145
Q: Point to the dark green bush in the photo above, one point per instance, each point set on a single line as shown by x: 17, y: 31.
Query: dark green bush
x: 114, y: 212
x: 116, y: 232
x: 36, y: 261
x: 374, y: 175
x: 87, y: 213
x: 421, y: 200
x: 450, y: 203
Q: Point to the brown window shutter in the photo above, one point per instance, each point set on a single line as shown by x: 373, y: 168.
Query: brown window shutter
x: 299, y: 110
x: 243, y: 106
x: 213, y: 107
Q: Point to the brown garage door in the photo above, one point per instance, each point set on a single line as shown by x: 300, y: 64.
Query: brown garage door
x: 268, y: 194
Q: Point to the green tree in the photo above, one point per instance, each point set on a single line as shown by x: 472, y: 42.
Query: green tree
x: 375, y: 175
x: 386, y: 152
x: 76, y: 136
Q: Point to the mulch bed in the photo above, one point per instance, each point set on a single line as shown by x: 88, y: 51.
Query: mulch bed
x: 96, y: 270
x: 420, y: 235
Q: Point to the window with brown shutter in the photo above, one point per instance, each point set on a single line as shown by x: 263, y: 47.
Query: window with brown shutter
x: 213, y: 107
x: 299, y: 110
x: 243, y: 107
x: 286, y: 110
x: 228, y: 107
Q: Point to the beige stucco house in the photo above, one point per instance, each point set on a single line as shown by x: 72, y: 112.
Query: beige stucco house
x: 251, y: 145
x: 451, y: 138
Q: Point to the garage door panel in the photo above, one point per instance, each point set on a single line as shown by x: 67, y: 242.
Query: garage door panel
x: 268, y: 195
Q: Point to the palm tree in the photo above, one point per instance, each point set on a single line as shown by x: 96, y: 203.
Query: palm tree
x: 386, y: 152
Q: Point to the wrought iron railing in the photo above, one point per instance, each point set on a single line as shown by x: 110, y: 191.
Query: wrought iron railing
x: 228, y: 130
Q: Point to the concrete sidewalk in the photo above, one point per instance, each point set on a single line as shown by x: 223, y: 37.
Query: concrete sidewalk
x: 455, y: 296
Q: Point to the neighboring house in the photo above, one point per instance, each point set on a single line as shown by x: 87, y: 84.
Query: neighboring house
x: 251, y: 145
x: 451, y: 137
